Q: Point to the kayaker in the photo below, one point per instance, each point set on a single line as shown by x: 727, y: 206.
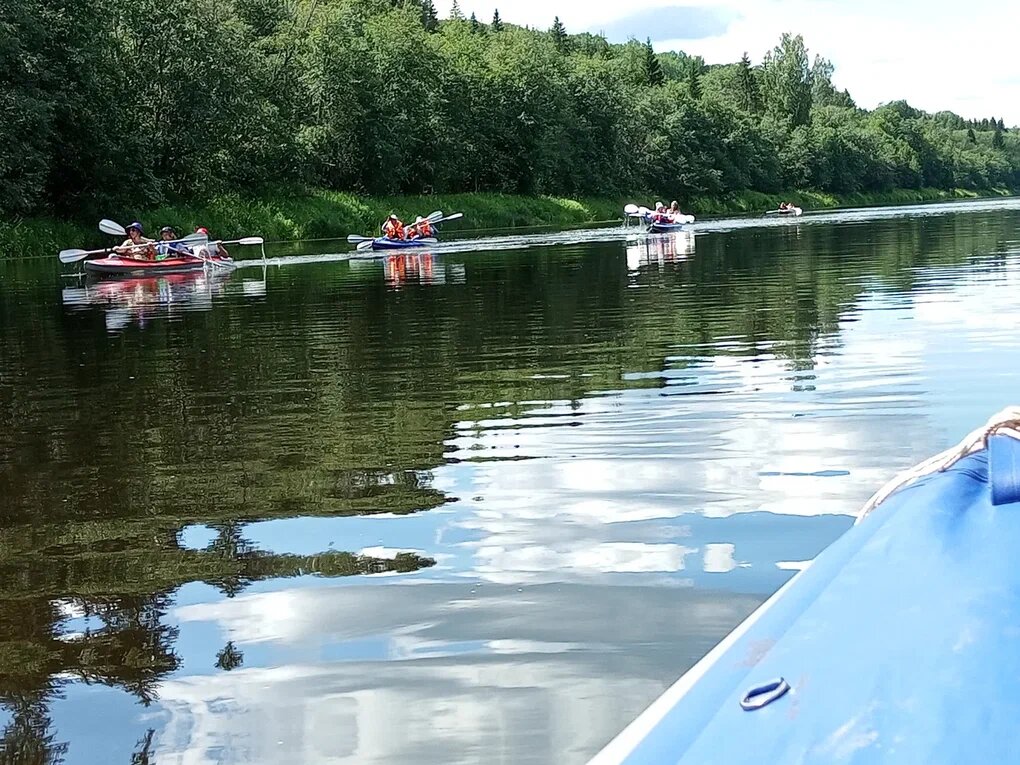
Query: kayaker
x: 660, y: 213
x: 420, y: 229
x: 393, y: 228
x: 212, y: 249
x: 134, y: 245
x: 674, y: 210
x: 163, y: 251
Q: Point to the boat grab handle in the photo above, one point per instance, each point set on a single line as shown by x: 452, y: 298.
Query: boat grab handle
x: 758, y: 697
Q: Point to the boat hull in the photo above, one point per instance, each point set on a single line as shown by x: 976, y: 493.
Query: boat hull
x: 898, y: 644
x: 664, y: 228
x: 382, y: 243
x: 114, y: 266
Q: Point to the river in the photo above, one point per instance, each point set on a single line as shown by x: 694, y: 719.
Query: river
x: 480, y: 505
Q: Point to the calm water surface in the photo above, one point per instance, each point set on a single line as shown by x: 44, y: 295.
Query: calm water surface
x: 476, y: 506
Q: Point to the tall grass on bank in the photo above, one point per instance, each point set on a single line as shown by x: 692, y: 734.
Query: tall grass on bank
x: 330, y: 214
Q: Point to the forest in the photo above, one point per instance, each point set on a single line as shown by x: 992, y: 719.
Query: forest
x: 139, y: 103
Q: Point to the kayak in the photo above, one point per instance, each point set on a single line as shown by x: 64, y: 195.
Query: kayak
x: 382, y: 243
x: 897, y: 644
x: 113, y: 265
x: 791, y: 211
x: 664, y: 228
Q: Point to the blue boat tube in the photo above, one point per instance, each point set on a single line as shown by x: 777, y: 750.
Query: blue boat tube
x: 900, y: 643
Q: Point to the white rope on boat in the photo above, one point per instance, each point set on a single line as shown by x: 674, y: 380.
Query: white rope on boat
x: 1006, y: 422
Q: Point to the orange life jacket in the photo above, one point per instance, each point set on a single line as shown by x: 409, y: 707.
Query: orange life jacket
x: 424, y: 228
x: 394, y: 229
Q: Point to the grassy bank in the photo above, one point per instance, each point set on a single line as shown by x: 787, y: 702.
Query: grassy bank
x: 326, y: 214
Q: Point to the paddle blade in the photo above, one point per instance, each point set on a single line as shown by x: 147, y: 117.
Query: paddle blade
x: 434, y: 216
x: 631, y: 209
x: 356, y: 238
x: 365, y: 245
x: 453, y: 216
x: 251, y: 240
x: 111, y: 227
x: 72, y: 256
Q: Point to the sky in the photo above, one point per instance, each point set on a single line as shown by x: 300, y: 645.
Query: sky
x: 935, y: 54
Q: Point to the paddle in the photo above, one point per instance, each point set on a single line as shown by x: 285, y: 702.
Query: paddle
x: 452, y: 216
x: 74, y: 255
x: 111, y: 227
x: 243, y: 241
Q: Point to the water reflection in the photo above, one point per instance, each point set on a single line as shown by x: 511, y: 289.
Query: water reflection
x: 510, y: 508
x: 475, y: 673
x: 139, y: 300
x: 659, y: 249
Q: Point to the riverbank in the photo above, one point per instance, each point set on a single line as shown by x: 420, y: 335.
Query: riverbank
x: 755, y: 201
x: 327, y: 214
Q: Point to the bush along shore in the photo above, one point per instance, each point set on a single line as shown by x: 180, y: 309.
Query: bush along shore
x: 389, y: 99
x: 334, y: 215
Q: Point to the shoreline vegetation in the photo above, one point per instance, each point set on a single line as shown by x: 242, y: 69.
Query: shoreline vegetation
x: 380, y: 105
x: 334, y: 215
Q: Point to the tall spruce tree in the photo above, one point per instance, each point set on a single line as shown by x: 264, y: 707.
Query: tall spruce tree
x: 559, y: 35
x: 653, y: 68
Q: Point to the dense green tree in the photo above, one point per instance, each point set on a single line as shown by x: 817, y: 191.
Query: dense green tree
x: 559, y: 35
x: 653, y: 69
x: 749, y: 95
x: 786, y: 81
x: 101, y: 116
x: 997, y: 141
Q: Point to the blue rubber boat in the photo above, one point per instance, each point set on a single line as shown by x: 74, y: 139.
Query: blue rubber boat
x: 382, y: 243
x: 898, y: 644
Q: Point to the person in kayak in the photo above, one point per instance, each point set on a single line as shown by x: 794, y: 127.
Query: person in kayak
x: 674, y: 211
x: 420, y: 229
x: 393, y: 228
x: 135, y: 245
x: 212, y: 249
x: 165, y: 250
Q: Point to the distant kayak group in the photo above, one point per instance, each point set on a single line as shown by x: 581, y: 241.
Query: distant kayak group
x: 398, y: 236
x: 661, y: 219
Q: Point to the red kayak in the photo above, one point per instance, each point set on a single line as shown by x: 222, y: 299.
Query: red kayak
x: 136, y: 267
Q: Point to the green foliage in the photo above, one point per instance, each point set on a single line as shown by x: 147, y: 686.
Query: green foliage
x: 653, y: 69
x: 120, y: 106
x: 559, y: 35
